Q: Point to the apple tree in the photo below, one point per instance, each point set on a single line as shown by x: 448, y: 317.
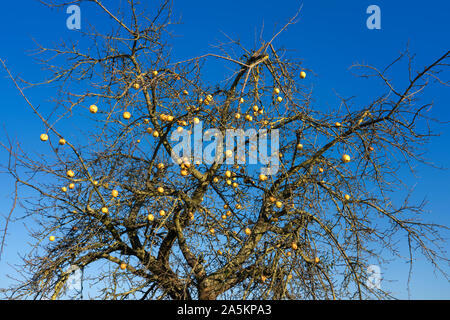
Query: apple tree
x: 106, y: 192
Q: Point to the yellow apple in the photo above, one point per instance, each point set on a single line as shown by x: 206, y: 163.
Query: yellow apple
x: 248, y: 231
x: 160, y: 189
x: 347, y: 197
x: 72, y: 186
x: 262, y: 177
x: 345, y: 158
x: 51, y: 238
x: 162, y: 213
x: 70, y: 173
x: 149, y: 130
x: 303, y: 75
x: 93, y: 108
x: 279, y: 99
x: 150, y: 217
x: 136, y: 86
x: 276, y: 91
x: 179, y: 129
x: 186, y: 162
x: 237, y: 116
x: 123, y: 266
x: 115, y: 193
x: 63, y: 189
x: 154, y: 73
x: 62, y: 141
x: 255, y: 108
x: 105, y: 210
x: 279, y: 204
x: 44, y: 137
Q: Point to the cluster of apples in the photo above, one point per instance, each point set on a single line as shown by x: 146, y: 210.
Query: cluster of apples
x: 277, y: 203
x: 230, y: 179
x: 185, y: 164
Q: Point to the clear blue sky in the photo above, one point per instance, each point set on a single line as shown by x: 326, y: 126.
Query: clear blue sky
x: 329, y: 37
